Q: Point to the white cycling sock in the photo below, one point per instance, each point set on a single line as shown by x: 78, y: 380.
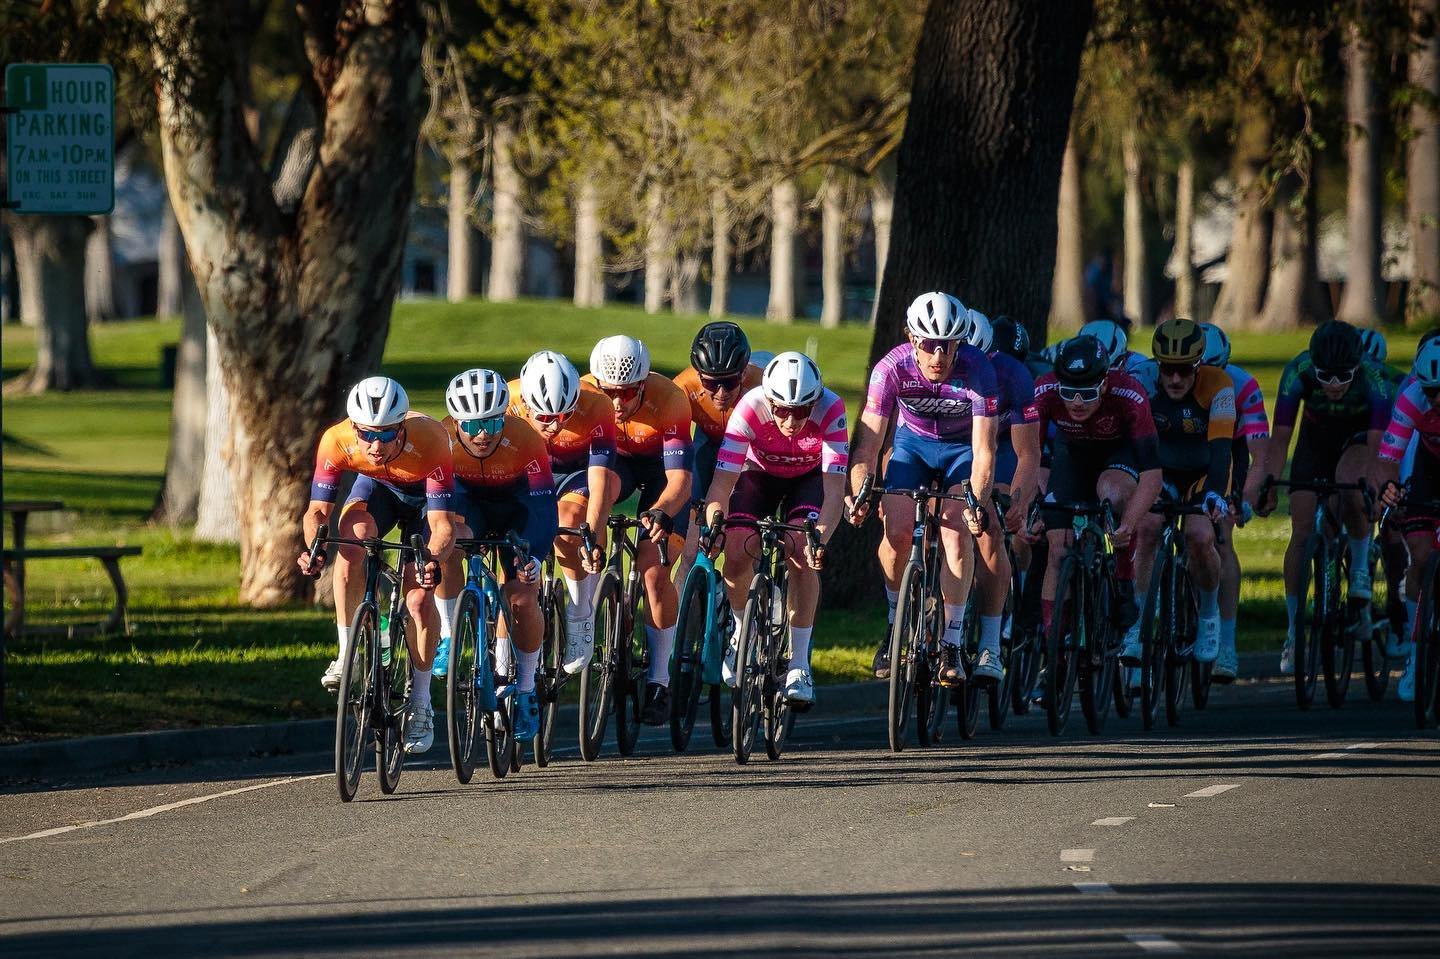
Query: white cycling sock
x: 503, y: 652
x: 892, y: 599
x: 1209, y: 602
x: 735, y: 634
x: 419, y: 687
x: 1227, y: 633
x: 344, y: 633
x: 1359, y: 555
x: 526, y: 666
x: 1292, y: 615
x: 800, y: 646
x: 580, y: 597
x: 661, y: 643
x: 954, y: 622
x: 447, y: 614
x: 990, y: 633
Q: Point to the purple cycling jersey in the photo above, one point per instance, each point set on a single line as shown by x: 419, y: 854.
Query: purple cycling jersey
x: 941, y: 410
x: 1017, y: 393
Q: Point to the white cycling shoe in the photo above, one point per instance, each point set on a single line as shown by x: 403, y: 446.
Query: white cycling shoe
x: 727, y: 668
x: 1207, y: 643
x: 1227, y: 664
x: 1405, y: 689
x: 419, y: 729
x: 989, y: 665
x: 1132, y: 651
x: 579, y: 644
x: 331, y: 679
x: 1360, y: 583
x: 1287, y: 658
x: 799, y: 686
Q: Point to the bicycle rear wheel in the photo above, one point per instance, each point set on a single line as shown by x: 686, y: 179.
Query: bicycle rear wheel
x: 468, y: 672
x: 746, y: 701
x: 1066, y: 629
x: 907, y: 643
x: 597, y: 680
x: 353, y: 702
x: 686, y: 680
x: 390, y: 758
x: 967, y: 695
x: 500, y: 744
x: 1308, y: 646
x: 1097, y: 660
x: 779, y: 716
x: 551, y: 671
x: 1385, y: 608
x: 632, y: 653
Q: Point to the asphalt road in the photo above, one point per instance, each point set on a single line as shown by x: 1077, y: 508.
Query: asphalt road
x: 1252, y: 828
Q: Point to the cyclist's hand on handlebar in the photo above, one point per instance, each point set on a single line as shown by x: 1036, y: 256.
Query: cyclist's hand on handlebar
x: 427, y: 575
x: 1122, y: 535
x: 857, y: 511
x: 1216, y: 507
x: 591, y: 560
x: 530, y: 571
x: 1390, y: 494
x: 1267, y: 500
x: 309, y: 568
x: 977, y: 519
x: 815, y: 556
x: 1014, y: 517
x: 657, y: 524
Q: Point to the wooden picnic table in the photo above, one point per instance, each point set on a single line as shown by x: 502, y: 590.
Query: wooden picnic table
x: 19, y: 511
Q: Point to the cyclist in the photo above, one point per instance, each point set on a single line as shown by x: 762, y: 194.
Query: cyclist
x: 1113, y: 336
x: 1252, y: 428
x: 946, y: 396
x: 1193, y: 407
x: 578, y: 427
x: 720, y: 373
x: 786, y: 447
x: 1104, y: 448
x: 404, y: 478
x: 1346, y: 410
x: 1416, y: 413
x: 1017, y: 453
x: 1375, y: 349
x: 653, y: 458
x: 503, y: 484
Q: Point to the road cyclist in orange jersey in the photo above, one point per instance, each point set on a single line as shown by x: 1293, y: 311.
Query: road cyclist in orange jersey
x: 404, y: 478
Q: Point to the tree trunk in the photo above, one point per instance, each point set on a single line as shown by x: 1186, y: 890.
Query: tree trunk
x: 100, y: 272
x: 1293, y: 296
x: 179, y: 499
x: 462, y: 243
x: 999, y: 77
x: 832, y: 256
x: 658, y: 259
x: 719, y: 253
x: 684, y: 284
x: 507, y: 247
x: 299, y: 306
x: 1248, y: 262
x: 1422, y: 170
x: 174, y: 272
x: 882, y: 214
x: 1363, y: 300
x: 784, y: 220
x: 1137, y: 274
x: 49, y: 256
x: 589, y: 249
x: 1184, y: 258
x: 9, y: 302
x: 216, y: 520
x: 1067, y: 291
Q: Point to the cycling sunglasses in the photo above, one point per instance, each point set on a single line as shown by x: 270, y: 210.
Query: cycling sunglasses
x: 623, y: 393
x: 1334, y: 377
x: 377, y: 436
x: 791, y: 412
x: 490, y: 425
x: 1177, y: 369
x: 1080, y: 394
x: 545, y: 419
x: 936, y: 347
x: 713, y: 384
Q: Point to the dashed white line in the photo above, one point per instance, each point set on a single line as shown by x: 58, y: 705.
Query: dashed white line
x: 1209, y: 791
x: 1095, y: 889
x: 1348, y: 749
x: 157, y: 810
x: 1112, y: 821
x: 1153, y: 942
x: 1077, y: 855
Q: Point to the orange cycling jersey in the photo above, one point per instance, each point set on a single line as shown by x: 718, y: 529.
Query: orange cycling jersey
x: 519, y: 465
x: 659, y: 429
x: 422, y: 466
x: 709, y: 418
x: 586, y: 439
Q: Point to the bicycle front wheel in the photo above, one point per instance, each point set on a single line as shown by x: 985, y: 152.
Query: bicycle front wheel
x: 1180, y: 650
x: 597, y: 680
x: 1097, y: 663
x: 390, y: 758
x: 686, y: 679
x: 1308, y: 645
x: 551, y: 671
x: 354, y: 699
x: 1062, y: 645
x: 1337, y: 649
x: 500, y: 745
x: 631, y: 655
x: 967, y: 695
x: 747, y: 700
x: 1156, y: 621
x: 468, y: 672
x: 1386, y: 609
x: 1010, y: 641
x: 907, y: 640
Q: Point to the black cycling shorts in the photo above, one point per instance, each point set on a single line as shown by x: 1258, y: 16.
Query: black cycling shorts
x: 1076, y: 469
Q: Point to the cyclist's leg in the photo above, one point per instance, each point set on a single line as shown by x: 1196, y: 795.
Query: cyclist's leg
x: 1313, y: 460
x: 662, y: 602
x: 574, y: 494
x: 1118, y: 480
x: 1147, y: 538
x: 801, y: 500
x: 751, y: 499
x: 1205, y: 573
x: 906, y: 469
x: 1072, y: 480
x: 1420, y: 538
x: 1354, y: 465
x: 452, y: 582
x: 701, y: 474
x: 1227, y: 662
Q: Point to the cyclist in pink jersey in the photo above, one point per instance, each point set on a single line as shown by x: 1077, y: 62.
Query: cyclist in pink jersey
x: 786, y: 448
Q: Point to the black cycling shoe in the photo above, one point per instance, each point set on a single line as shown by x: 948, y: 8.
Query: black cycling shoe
x: 881, y: 662
x: 657, y: 705
x: 1128, y: 612
x: 952, y: 671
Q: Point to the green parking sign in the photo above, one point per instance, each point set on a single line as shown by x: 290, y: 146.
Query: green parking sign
x: 60, y: 126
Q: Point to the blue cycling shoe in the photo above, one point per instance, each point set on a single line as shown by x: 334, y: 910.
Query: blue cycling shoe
x: 441, y: 666
x: 527, y: 716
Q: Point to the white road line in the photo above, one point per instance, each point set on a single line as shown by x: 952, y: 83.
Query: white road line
x: 1347, y: 749
x: 157, y: 810
x: 1095, y: 889
x: 1332, y: 756
x: 1209, y: 791
x: 1077, y: 855
x: 1152, y: 942
x: 1112, y: 821
x: 1362, y: 746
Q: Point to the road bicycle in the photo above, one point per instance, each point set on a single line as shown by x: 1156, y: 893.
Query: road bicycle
x: 1328, y: 643
x: 615, y: 679
x: 1016, y: 632
x: 1426, y: 634
x: 1083, y: 639
x: 374, y: 694
x: 479, y: 698
x: 552, y: 678
x: 702, y: 632
x: 762, y: 650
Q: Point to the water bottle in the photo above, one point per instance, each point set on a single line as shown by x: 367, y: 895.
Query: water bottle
x: 384, y: 639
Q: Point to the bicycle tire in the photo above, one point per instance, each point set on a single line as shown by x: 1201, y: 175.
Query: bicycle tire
x: 1155, y: 620
x: 353, y: 701
x: 999, y: 694
x: 1061, y: 647
x: 1028, y: 671
x: 500, y: 744
x: 907, y: 635
x: 1307, y: 650
x: 1200, y: 680
x: 597, y: 680
x: 390, y: 759
x: 1121, y: 689
x: 967, y: 694
x: 552, y: 666
x: 1372, y: 647
x: 745, y: 700
x: 467, y: 673
x: 1427, y: 646
x: 632, y: 651
x: 1096, y: 694
x: 1337, y: 650
x: 1180, y: 650
x: 779, y: 716
x: 720, y: 716
x: 686, y: 669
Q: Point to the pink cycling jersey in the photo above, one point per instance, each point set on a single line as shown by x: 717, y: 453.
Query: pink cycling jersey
x: 752, y: 437
x: 1250, y: 420
x: 1412, y: 414
x: 941, y: 410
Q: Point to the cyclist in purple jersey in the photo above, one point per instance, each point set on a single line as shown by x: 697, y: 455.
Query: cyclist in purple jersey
x: 944, y: 394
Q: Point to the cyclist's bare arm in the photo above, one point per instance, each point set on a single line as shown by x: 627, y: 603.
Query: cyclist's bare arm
x: 676, y: 495
x: 831, y: 509
x: 717, y: 497
x: 442, y: 534
x: 982, y: 469
x: 1025, y: 439
x: 602, y: 484
x: 868, y: 437
x: 316, y: 515
x: 1147, y: 491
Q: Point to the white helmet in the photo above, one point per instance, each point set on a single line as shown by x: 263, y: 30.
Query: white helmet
x: 937, y: 316
x: 1427, y: 364
x: 982, y: 334
x: 549, y: 383
x: 1217, y: 346
x: 477, y: 395
x: 377, y: 401
x: 1372, y: 342
x: 620, y: 361
x: 792, y: 379
x: 1111, y: 336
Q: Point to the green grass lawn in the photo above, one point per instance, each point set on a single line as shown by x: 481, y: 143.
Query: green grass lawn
x: 194, y: 657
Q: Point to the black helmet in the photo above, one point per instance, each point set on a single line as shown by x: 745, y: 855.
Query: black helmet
x: 720, y: 349
x: 1010, y: 337
x: 1082, y: 361
x: 1335, y: 346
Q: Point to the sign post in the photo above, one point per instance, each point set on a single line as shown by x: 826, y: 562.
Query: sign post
x: 60, y: 126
